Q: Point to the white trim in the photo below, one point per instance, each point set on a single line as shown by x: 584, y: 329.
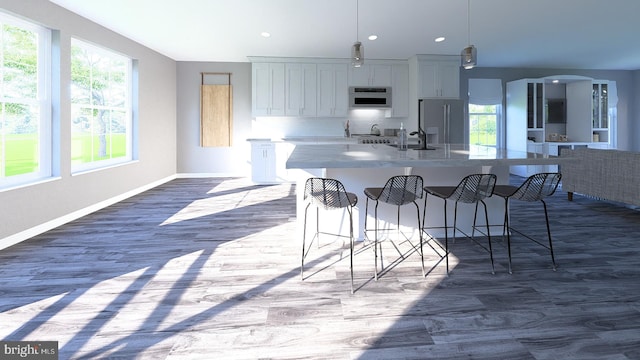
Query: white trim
x: 49, y: 225
x: 209, y: 175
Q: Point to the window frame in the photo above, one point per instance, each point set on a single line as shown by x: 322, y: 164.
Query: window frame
x: 498, y: 117
x: 43, y: 101
x: 127, y: 109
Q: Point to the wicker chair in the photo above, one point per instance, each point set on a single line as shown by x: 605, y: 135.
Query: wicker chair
x: 534, y: 188
x: 472, y: 189
x: 328, y: 194
x: 398, y: 191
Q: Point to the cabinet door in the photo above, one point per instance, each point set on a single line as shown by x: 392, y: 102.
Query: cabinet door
x: 439, y: 79
x: 300, y: 90
x: 359, y: 76
x: 341, y: 91
x: 261, y: 89
x: 333, y: 93
x: 267, y: 89
x: 380, y: 75
x: 370, y: 75
x: 263, y: 163
x: 400, y: 91
x: 449, y: 72
x: 429, y: 80
x: 277, y: 90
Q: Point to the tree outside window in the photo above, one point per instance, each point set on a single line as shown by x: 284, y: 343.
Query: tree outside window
x: 483, y: 124
x: 25, y: 150
x: 100, y: 105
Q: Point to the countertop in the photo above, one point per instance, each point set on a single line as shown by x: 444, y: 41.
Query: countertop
x: 377, y: 155
x: 308, y: 140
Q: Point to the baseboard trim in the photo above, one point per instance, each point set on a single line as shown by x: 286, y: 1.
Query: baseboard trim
x: 49, y: 225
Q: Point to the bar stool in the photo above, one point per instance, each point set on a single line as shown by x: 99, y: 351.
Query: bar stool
x: 534, y: 188
x: 328, y: 194
x: 399, y: 190
x: 472, y: 189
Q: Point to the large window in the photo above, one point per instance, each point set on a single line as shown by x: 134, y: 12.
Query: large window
x: 25, y: 102
x: 100, y: 107
x: 485, y: 112
x: 483, y: 124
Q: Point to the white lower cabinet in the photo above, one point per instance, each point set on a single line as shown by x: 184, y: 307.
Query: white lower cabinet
x: 263, y: 162
x: 269, y: 162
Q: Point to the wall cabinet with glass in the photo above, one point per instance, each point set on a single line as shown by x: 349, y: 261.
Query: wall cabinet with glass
x: 600, y: 112
x: 571, y: 111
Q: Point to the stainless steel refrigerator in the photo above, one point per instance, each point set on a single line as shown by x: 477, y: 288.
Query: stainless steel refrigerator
x: 443, y: 121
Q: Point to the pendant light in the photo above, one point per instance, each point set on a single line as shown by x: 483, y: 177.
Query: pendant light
x: 357, y: 50
x: 469, y: 54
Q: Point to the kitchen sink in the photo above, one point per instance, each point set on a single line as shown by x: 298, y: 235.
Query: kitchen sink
x: 412, y: 146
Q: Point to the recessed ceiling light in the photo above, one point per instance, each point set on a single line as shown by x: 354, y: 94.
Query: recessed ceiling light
x: 440, y: 39
x: 265, y: 34
x: 373, y: 37
x: 556, y: 81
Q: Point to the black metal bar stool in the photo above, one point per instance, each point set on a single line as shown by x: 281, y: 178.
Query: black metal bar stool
x: 472, y: 189
x: 534, y: 188
x: 399, y: 190
x: 328, y: 194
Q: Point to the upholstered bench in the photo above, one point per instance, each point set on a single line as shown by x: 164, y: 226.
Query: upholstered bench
x: 604, y: 174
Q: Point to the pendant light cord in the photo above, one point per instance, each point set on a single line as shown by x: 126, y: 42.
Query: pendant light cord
x: 469, y: 22
x: 357, y: 24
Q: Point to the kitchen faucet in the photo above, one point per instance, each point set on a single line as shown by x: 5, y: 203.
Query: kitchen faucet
x: 422, y: 136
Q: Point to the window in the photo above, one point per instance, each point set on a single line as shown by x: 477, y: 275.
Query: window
x: 485, y: 112
x: 25, y: 102
x: 101, y: 124
x: 483, y: 124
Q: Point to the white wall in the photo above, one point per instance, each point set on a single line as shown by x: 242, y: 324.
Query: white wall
x: 212, y: 161
x: 194, y: 160
x: 34, y: 208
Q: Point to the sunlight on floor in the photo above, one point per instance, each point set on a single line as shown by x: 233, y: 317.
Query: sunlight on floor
x: 225, y: 197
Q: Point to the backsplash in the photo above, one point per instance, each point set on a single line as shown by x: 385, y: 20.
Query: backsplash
x: 360, y: 122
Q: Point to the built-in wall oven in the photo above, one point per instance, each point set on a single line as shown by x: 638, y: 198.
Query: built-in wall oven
x: 369, y: 97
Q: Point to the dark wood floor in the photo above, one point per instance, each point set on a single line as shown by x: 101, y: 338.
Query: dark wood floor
x: 209, y: 269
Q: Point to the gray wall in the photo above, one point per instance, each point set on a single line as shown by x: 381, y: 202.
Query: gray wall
x: 32, y: 206
x: 626, y: 81
x: 218, y: 161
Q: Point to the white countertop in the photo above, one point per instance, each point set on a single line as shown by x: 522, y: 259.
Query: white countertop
x: 377, y: 155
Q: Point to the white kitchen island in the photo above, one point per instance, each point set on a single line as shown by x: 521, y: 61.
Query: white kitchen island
x: 370, y: 165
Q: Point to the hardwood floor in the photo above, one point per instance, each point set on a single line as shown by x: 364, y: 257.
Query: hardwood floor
x: 209, y: 269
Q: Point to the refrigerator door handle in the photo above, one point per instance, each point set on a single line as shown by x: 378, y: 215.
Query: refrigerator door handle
x: 446, y: 116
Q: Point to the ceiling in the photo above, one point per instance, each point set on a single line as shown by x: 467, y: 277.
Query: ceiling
x: 560, y: 34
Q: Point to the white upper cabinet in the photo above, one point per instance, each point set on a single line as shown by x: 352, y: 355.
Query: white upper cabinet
x: 267, y: 90
x: 439, y: 77
x: 371, y: 75
x: 300, y: 89
x: 320, y: 87
x: 399, y: 91
x: 333, y: 90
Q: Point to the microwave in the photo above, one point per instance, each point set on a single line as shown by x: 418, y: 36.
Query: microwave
x: 369, y: 97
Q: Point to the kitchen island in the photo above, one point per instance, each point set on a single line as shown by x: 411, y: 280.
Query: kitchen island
x: 370, y: 165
